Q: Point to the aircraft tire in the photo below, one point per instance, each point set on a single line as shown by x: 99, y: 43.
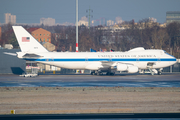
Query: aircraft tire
x: 159, y: 73
x: 108, y: 73
x: 99, y: 73
x: 112, y: 73
x: 92, y: 73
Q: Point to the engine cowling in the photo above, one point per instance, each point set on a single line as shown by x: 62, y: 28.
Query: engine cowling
x: 122, y: 67
x: 132, y: 69
x: 128, y: 68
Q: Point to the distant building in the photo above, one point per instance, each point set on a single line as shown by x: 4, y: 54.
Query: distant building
x: 40, y: 34
x: 110, y: 23
x: 57, y: 36
x: 119, y: 20
x: 172, y: 16
x: 10, y: 18
x: 82, y: 22
x: 47, y: 21
x: 151, y: 19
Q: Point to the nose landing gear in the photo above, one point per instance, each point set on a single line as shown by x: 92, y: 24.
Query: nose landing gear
x: 96, y: 72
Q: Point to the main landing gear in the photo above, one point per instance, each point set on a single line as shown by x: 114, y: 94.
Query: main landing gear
x: 96, y: 72
x: 110, y: 73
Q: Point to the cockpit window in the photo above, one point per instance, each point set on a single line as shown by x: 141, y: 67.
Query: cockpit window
x: 167, y: 53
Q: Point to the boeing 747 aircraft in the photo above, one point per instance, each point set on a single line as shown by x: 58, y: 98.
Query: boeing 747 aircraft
x: 132, y: 61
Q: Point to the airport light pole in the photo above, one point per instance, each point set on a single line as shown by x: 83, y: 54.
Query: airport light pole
x: 76, y: 25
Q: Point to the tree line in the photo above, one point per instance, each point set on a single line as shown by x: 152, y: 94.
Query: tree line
x: 96, y: 37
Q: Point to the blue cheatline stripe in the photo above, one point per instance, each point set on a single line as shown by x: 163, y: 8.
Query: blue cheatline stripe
x: 168, y: 59
x: 100, y: 59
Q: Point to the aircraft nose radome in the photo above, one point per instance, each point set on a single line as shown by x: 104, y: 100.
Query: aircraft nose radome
x: 173, y: 58
x: 175, y: 61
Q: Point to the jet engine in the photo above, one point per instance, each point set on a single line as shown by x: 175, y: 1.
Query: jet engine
x: 122, y: 67
x: 129, y: 68
x: 132, y: 69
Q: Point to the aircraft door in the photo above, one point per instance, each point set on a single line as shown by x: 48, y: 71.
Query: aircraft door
x: 159, y: 57
x: 137, y: 60
x: 52, y: 59
x: 86, y: 59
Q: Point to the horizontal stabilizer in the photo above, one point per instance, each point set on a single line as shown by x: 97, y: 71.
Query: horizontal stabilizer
x: 13, y: 54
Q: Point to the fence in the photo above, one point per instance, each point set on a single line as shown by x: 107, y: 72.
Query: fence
x: 173, y: 68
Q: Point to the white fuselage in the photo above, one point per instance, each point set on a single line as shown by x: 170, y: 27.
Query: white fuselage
x: 94, y: 60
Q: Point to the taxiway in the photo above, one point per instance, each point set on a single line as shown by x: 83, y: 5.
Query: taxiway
x: 81, y: 80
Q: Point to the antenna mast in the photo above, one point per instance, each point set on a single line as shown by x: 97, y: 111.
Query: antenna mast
x: 89, y: 16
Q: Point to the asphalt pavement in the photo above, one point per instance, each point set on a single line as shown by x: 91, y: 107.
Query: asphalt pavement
x: 116, y: 116
x: 85, y: 80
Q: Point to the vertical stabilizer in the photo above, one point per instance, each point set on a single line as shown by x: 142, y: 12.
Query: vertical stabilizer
x: 27, y: 42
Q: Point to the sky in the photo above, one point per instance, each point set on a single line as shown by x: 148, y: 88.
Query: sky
x: 30, y: 11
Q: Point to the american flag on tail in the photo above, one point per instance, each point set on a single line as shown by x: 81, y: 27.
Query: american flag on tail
x: 25, y: 39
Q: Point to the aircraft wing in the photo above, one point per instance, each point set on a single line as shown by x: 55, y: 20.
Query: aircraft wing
x: 110, y: 63
x: 107, y: 63
x: 119, y: 66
